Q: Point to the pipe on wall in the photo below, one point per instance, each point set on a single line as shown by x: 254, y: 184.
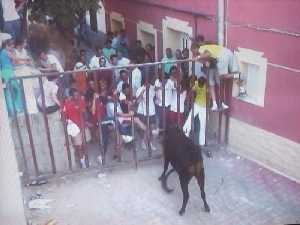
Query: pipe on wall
x: 221, y: 21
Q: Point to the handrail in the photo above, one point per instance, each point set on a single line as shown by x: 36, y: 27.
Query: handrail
x: 104, y: 69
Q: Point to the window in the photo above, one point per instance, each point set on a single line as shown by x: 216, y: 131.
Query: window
x: 252, y: 80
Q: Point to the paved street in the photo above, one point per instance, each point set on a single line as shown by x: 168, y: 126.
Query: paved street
x: 239, y: 193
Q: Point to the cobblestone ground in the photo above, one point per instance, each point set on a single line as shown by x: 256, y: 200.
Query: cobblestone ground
x: 239, y: 193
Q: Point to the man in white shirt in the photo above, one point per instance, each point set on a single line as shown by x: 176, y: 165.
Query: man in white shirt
x: 122, y: 61
x: 123, y: 79
x: 94, y: 62
x: 12, y: 23
x: 50, y: 92
x: 50, y: 63
x: 136, y: 80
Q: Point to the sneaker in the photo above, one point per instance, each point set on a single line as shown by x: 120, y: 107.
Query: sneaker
x: 224, y: 106
x: 153, y: 148
x: 127, y: 139
x: 214, y: 107
x: 155, y: 132
x: 82, y: 162
x: 144, y: 146
x: 100, y: 160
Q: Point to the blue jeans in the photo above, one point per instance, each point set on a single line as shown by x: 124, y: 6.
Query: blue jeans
x: 13, y: 28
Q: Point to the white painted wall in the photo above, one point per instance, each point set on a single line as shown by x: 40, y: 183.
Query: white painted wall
x: 11, y: 200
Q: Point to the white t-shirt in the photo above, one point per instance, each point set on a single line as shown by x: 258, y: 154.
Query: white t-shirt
x: 174, y: 101
x: 142, y: 106
x: 50, y: 90
x: 136, y: 80
x: 9, y: 10
x: 198, y: 69
x: 52, y: 60
x: 169, y: 88
x: 119, y: 86
x: 122, y: 96
x: 123, y: 62
x: 94, y: 62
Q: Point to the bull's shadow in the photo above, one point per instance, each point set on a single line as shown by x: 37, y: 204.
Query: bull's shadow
x: 186, y: 159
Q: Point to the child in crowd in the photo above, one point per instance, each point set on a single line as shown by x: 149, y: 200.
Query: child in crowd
x: 145, y: 95
x: 74, y: 109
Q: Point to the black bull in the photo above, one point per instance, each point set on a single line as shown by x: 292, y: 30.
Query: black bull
x: 186, y: 159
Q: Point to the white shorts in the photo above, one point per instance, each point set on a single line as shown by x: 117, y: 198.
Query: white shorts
x: 227, y: 62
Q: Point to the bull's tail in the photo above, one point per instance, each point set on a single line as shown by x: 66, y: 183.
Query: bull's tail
x: 164, y: 181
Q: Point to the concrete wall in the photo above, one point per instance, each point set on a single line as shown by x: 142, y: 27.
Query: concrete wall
x: 41, y: 145
x: 267, y: 149
x: 11, y: 200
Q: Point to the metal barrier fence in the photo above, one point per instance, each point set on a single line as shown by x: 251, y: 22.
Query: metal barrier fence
x: 158, y: 69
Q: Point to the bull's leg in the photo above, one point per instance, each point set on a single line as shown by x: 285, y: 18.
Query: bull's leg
x: 166, y: 166
x: 200, y: 180
x: 184, y: 182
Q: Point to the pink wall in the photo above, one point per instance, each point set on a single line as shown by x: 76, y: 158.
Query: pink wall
x: 280, y: 114
x: 134, y: 11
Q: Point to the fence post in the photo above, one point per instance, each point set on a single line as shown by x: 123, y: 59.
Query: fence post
x: 10, y: 92
x: 47, y: 125
x: 27, y: 120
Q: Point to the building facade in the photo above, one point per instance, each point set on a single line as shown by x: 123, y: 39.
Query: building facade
x: 265, y: 36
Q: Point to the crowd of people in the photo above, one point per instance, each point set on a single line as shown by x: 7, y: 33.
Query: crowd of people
x: 94, y: 98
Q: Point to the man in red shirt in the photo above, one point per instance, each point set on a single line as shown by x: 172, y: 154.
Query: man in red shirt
x: 74, y: 109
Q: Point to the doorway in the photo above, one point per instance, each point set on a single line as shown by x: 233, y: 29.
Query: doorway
x: 117, y: 22
x: 147, y: 34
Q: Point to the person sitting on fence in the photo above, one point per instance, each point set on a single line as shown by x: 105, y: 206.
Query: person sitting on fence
x: 124, y: 120
x: 141, y: 100
x: 50, y: 93
x: 74, y: 109
x: 180, y: 87
x: 167, y: 61
x: 226, y: 64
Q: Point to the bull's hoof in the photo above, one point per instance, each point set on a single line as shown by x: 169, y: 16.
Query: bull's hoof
x: 206, y: 208
x: 181, y: 212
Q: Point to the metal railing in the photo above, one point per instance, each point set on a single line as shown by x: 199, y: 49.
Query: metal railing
x: 158, y: 68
